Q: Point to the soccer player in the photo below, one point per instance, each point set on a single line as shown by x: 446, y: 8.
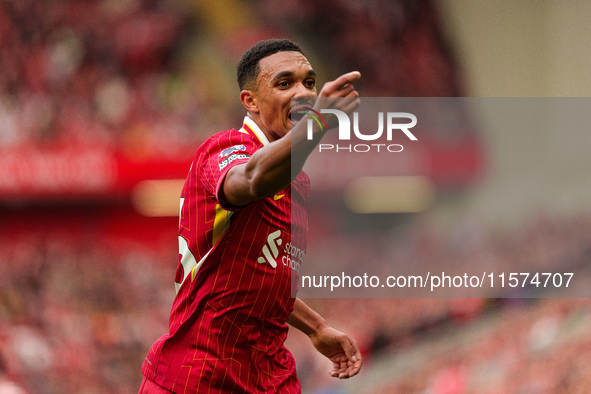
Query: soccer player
x: 242, y: 219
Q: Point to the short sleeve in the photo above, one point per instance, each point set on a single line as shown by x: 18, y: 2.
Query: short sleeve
x: 220, y: 153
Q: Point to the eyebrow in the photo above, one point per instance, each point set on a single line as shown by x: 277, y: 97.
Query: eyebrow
x: 284, y: 74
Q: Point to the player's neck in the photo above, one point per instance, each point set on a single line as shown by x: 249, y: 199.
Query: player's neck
x: 257, y: 120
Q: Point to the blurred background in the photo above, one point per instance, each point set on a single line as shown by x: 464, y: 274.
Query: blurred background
x: 103, y: 103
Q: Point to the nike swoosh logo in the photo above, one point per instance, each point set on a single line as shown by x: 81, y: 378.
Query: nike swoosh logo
x: 278, y: 196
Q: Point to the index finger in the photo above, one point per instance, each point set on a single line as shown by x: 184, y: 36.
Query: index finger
x: 347, y: 79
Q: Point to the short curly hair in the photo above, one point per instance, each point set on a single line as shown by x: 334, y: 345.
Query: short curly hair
x: 248, y: 68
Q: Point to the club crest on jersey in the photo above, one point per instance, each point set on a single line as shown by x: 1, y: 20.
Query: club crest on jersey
x: 231, y: 149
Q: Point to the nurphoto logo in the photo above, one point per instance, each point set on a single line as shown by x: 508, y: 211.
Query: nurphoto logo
x: 388, y: 123
x: 314, y: 115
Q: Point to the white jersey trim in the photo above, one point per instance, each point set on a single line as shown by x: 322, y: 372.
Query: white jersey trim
x: 257, y: 130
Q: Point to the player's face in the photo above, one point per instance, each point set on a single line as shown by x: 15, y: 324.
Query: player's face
x: 282, y: 76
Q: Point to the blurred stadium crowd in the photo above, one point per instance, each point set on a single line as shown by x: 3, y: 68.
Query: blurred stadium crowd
x: 79, y: 318
x: 94, y: 72
x: 129, y: 71
x: 77, y: 315
x: 465, y: 345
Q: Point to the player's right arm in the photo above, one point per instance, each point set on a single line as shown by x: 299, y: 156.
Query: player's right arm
x: 270, y: 168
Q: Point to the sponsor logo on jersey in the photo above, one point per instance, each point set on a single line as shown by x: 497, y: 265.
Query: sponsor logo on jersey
x: 291, y: 255
x: 231, y: 158
x: 271, y: 250
x: 231, y: 149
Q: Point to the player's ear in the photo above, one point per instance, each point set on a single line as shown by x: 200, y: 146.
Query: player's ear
x: 249, y: 100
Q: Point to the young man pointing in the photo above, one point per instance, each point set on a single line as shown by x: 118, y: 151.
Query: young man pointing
x: 241, y: 213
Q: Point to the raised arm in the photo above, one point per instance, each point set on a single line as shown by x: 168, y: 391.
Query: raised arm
x: 269, y: 170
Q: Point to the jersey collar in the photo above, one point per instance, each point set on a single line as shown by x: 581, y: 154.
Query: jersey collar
x: 251, y: 126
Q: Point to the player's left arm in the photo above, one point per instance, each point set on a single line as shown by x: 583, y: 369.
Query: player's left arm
x: 337, y: 346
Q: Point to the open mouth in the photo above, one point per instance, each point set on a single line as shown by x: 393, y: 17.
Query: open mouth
x: 300, y: 106
x: 296, y: 115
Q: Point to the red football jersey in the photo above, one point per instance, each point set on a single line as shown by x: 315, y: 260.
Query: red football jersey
x: 237, y: 266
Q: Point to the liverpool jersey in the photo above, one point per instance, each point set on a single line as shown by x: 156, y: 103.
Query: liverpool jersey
x: 237, y: 268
